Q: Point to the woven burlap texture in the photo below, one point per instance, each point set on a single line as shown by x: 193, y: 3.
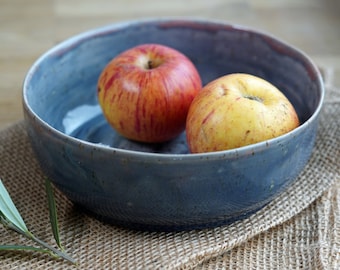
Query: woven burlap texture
x: 298, y: 230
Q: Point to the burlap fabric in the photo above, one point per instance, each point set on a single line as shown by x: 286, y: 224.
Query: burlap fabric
x: 298, y: 230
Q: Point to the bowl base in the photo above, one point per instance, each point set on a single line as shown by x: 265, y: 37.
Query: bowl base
x: 168, y: 226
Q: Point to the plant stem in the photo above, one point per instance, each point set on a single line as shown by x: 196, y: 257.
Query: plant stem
x: 54, y: 250
x: 29, y: 235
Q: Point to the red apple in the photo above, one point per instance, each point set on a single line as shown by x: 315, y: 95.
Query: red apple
x: 145, y: 92
x: 237, y: 110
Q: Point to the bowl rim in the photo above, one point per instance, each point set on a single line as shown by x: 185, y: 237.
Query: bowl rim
x: 73, y: 41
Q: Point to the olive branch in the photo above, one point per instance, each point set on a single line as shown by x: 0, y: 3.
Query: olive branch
x: 10, y: 218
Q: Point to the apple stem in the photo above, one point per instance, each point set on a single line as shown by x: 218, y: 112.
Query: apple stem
x: 254, y: 98
x: 150, y: 64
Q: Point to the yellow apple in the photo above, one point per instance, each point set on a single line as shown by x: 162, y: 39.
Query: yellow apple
x: 237, y: 110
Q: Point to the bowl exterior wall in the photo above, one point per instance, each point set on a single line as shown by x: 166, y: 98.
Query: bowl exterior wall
x: 160, y: 195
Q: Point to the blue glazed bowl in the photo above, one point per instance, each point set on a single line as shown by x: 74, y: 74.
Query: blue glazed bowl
x: 163, y: 187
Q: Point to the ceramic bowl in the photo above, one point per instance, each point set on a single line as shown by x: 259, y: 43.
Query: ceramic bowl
x: 163, y: 187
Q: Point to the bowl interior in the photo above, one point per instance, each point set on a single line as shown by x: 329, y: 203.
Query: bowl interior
x: 63, y: 83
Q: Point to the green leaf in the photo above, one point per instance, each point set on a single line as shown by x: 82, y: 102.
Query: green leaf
x: 19, y: 247
x: 53, y: 212
x: 8, y: 209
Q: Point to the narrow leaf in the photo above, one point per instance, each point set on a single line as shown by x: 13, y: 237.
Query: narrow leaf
x: 53, y: 212
x: 19, y: 247
x: 8, y: 209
